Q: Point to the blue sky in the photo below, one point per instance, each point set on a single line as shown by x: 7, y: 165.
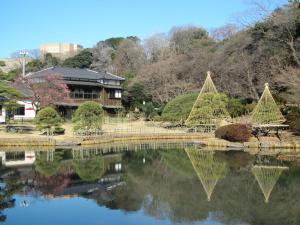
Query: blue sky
x: 25, y: 24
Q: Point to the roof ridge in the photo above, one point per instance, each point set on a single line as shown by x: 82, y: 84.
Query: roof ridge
x: 114, y: 75
x: 32, y: 73
x: 91, y: 70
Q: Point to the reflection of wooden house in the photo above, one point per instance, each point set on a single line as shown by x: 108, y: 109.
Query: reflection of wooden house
x: 86, y: 85
x: 112, y: 162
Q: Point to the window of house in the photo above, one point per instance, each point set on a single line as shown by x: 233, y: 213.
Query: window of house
x: 20, y: 111
x: 118, y: 94
x: 115, y: 94
x: 14, y: 156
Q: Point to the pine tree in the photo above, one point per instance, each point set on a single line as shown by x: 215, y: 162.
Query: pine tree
x: 209, y: 107
x: 266, y: 110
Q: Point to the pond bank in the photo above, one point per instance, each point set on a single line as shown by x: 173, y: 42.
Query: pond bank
x: 201, y: 138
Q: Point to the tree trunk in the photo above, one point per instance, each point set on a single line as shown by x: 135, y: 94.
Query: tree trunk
x: 294, y: 53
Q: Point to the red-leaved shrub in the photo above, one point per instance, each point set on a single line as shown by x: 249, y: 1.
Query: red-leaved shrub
x: 234, y: 132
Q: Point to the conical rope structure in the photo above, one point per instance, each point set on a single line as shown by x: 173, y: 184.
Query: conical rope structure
x: 209, y: 107
x: 208, y: 86
x: 266, y: 111
x: 207, y: 168
x: 267, y: 177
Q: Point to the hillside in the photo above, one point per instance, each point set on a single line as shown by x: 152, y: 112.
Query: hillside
x: 166, y: 65
x: 241, y: 62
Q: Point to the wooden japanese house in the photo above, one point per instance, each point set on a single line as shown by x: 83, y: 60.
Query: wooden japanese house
x: 86, y: 85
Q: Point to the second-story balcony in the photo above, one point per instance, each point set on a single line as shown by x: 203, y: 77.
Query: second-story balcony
x: 85, y: 96
x: 104, y: 99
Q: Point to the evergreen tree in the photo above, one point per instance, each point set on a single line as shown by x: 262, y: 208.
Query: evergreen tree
x: 88, y: 116
x: 266, y: 110
x: 210, y: 106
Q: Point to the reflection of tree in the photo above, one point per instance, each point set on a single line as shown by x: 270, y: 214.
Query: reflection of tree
x: 267, y: 177
x: 208, y: 169
x: 89, y: 169
x: 12, y: 185
x: 164, y: 187
x: 161, y: 190
x: 48, y: 162
x: 177, y: 160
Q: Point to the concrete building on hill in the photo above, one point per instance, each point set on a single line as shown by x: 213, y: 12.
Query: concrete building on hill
x: 60, y: 50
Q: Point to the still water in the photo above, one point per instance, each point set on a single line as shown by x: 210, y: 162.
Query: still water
x: 147, y: 184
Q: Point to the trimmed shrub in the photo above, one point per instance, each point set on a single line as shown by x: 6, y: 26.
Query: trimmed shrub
x: 209, y: 108
x: 47, y: 119
x: 234, y: 132
x: 179, y: 108
x: 235, y: 107
x: 89, y: 115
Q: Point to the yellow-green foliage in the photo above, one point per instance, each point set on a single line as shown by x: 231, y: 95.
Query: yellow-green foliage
x: 267, y: 177
x: 47, y: 118
x: 266, y: 110
x: 89, y: 115
x: 208, y: 169
x: 209, y: 108
x: 89, y: 169
x: 179, y: 108
x: 8, y: 91
x: 47, y: 165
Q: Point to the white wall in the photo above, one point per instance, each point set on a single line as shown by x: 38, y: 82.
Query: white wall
x: 2, y: 117
x: 28, y: 160
x: 29, y: 111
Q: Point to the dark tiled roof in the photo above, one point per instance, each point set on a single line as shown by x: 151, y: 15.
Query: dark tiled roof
x: 23, y: 88
x: 76, y: 73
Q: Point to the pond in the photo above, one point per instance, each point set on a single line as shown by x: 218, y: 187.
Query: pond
x: 147, y: 184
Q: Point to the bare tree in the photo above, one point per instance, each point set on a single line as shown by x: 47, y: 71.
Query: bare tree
x: 224, y: 32
x: 182, y: 38
x: 129, y: 57
x: 156, y: 46
x: 286, y: 20
x: 102, y: 57
x: 258, y: 10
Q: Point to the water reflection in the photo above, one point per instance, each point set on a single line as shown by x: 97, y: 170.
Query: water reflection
x: 267, y: 177
x: 208, y: 169
x: 47, y: 163
x: 162, y: 182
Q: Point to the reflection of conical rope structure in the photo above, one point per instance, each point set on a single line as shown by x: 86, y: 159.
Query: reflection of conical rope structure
x: 267, y: 177
x: 266, y: 110
x: 209, y: 107
x: 207, y: 168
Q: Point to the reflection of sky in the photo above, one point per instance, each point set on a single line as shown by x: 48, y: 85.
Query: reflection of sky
x: 75, y: 211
